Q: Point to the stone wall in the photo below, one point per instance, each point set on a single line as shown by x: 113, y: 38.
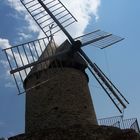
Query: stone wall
x: 78, y: 132
x: 63, y: 100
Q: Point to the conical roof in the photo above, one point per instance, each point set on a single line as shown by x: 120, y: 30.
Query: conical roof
x: 67, y: 60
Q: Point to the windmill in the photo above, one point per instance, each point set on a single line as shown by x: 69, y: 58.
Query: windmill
x: 40, y: 66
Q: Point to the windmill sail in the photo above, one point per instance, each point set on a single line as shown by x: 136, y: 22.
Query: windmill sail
x: 52, y: 14
x: 114, y: 94
x: 100, y: 39
x: 31, y: 57
x: 43, y: 19
x: 23, y: 57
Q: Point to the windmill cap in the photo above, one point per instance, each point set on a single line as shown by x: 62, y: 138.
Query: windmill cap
x: 67, y: 60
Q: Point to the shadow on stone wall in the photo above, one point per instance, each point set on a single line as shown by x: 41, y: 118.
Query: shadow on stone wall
x: 78, y: 132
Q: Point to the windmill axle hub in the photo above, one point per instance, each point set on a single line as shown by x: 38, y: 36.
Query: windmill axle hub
x: 76, y: 46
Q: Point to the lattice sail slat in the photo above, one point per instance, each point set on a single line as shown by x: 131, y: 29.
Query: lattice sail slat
x: 26, y: 54
x: 44, y: 20
x: 99, y: 39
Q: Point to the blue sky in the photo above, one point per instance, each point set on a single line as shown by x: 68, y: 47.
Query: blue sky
x: 120, y: 62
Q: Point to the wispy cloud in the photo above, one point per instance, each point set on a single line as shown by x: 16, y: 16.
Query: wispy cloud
x: 16, y: 60
x: 4, y: 43
x: 24, y: 36
x: 7, y: 77
x: 83, y: 10
x: 16, y: 4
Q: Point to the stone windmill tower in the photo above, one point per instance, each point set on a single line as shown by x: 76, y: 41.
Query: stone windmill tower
x: 64, y: 100
x: 54, y: 78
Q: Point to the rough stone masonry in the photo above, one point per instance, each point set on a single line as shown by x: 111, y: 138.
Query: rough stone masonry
x: 78, y: 132
x: 59, y: 105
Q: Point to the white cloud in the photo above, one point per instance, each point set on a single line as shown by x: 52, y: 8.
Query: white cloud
x: 4, y: 43
x: 83, y: 10
x: 24, y: 36
x: 4, y: 63
x: 16, y: 4
x: 32, y: 25
x: 10, y: 85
